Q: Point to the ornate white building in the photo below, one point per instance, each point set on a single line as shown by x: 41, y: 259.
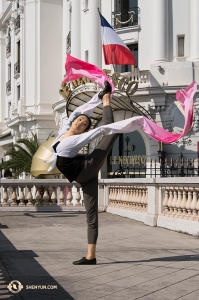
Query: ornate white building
x: 34, y: 38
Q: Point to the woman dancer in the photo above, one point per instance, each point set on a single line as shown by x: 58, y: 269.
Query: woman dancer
x: 84, y: 168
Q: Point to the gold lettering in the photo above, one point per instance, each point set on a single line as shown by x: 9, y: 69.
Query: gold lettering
x: 121, y: 160
x: 107, y: 72
x: 131, y: 89
x: 124, y: 160
x: 143, y: 159
x: 122, y: 83
x: 115, y: 160
x: 135, y: 159
x: 131, y: 160
x: 115, y: 78
x: 74, y: 84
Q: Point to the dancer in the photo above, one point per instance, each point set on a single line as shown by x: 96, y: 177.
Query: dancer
x: 84, y: 168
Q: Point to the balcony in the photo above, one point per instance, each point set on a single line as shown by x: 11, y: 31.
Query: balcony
x: 68, y: 42
x: 125, y: 17
x: 17, y: 68
x: 8, y: 87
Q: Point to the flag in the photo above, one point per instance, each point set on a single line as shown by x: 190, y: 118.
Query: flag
x: 76, y: 68
x: 114, y: 49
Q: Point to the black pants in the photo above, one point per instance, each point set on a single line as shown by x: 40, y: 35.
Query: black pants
x: 88, y: 178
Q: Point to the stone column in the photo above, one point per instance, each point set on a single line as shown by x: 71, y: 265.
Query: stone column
x: 13, y: 57
x: 76, y: 29
x: 160, y: 32
x: 94, y: 34
x: 21, y: 101
x: 3, y: 78
x: 194, y: 25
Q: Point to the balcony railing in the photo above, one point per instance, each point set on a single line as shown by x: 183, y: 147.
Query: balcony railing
x: 8, y: 86
x: 8, y: 48
x: 68, y: 42
x: 125, y: 17
x: 17, y: 67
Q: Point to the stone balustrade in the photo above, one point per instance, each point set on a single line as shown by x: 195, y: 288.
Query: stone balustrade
x: 181, y: 202
x: 129, y: 197
x: 172, y: 203
x: 45, y: 193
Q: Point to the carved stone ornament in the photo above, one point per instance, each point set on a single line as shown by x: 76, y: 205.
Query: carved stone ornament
x: 185, y: 141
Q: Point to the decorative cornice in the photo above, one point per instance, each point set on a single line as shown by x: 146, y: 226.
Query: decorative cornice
x: 6, y: 15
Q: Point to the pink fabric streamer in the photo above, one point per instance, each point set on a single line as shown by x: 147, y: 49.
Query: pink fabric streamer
x: 185, y: 97
x: 76, y: 68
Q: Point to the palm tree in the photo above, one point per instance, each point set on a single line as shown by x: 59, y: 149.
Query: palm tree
x: 20, y: 155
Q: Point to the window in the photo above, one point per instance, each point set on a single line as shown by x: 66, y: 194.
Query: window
x: 181, y: 46
x: 9, y: 71
x: 85, y: 3
x: 86, y: 55
x: 18, y: 92
x: 18, y: 51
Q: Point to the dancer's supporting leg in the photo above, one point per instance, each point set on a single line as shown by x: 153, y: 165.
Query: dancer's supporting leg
x: 89, y: 178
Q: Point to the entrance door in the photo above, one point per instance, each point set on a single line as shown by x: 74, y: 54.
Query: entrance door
x: 128, y: 157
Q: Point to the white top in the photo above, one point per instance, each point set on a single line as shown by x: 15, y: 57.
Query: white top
x: 70, y: 146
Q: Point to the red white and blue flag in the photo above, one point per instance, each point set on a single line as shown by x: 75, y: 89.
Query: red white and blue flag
x: 114, y: 49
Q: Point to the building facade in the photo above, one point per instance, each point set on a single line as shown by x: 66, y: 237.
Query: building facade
x: 37, y: 34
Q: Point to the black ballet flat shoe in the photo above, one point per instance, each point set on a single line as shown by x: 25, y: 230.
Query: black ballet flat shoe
x: 107, y: 89
x: 84, y: 261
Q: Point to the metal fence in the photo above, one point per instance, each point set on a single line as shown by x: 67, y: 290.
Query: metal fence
x: 163, y: 167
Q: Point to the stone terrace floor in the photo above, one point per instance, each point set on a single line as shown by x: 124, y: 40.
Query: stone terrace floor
x: 135, y: 261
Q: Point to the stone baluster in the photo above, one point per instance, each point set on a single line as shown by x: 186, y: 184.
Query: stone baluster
x: 54, y: 196
x: 21, y: 197
x: 194, y: 203
x: 46, y: 197
x: 136, y: 197
x: 127, y: 197
x: 62, y: 197
x: 197, y: 205
x: 165, y: 201
x: 178, y: 203
x: 133, y: 200
x: 118, y: 196
x: 113, y: 200
x: 170, y: 201
x: 130, y: 197
x: 183, y: 203
x: 5, y: 197
x: 78, y: 197
x: 29, y: 197
x: 14, y: 197
x: 121, y: 196
x: 146, y: 199
x: 174, y: 201
x: 38, y: 196
x: 69, y: 196
x: 141, y: 198
x: 110, y: 196
x: 188, y: 203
